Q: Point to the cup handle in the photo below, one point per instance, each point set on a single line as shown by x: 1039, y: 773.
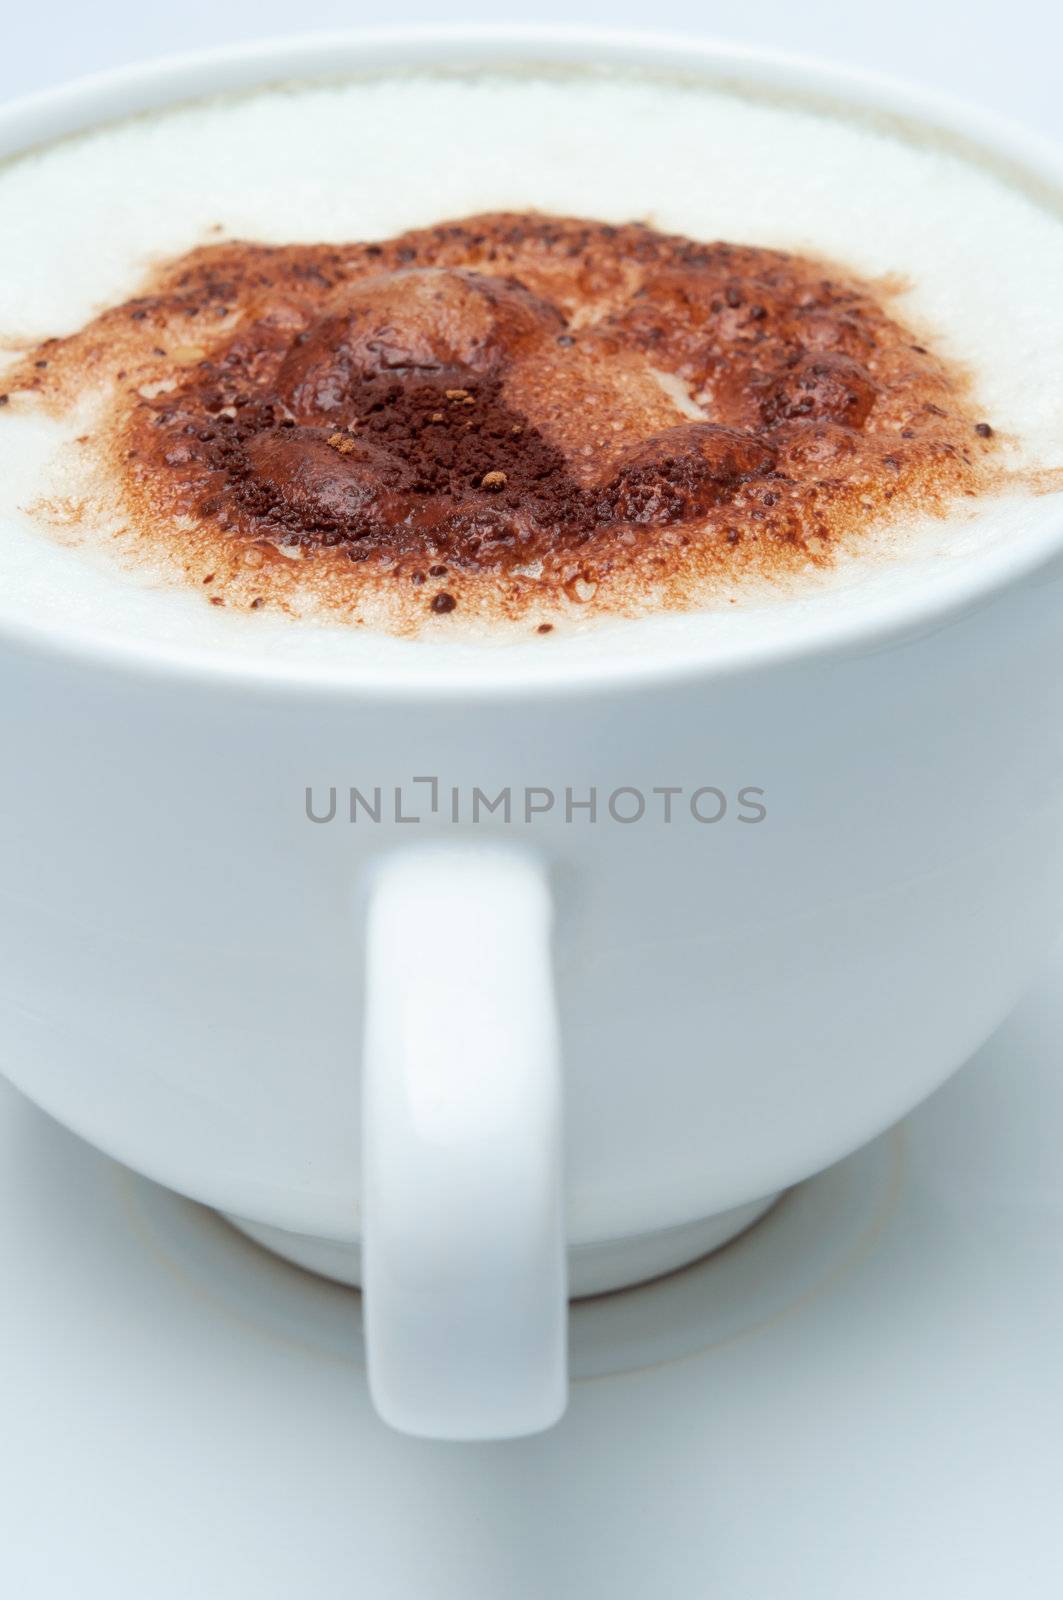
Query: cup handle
x: 463, y: 1268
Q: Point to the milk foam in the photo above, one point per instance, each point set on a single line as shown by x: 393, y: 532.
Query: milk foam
x: 85, y: 218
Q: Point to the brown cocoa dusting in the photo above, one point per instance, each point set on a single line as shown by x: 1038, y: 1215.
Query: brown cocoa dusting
x: 651, y: 417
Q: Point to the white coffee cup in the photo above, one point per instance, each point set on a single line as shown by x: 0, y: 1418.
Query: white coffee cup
x: 474, y: 1044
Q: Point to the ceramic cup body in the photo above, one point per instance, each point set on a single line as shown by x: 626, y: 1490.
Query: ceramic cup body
x: 740, y: 1001
x: 740, y: 1004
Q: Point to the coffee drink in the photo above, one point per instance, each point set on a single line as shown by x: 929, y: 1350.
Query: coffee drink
x: 503, y: 424
x: 505, y: 414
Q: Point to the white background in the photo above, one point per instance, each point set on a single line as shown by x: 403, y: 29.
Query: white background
x: 1008, y: 54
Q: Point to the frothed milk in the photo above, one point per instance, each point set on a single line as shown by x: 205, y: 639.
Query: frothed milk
x: 860, y: 274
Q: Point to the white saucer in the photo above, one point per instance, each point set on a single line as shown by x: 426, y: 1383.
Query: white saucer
x: 861, y: 1398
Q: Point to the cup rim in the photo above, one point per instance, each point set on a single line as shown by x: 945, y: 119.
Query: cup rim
x: 44, y: 116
